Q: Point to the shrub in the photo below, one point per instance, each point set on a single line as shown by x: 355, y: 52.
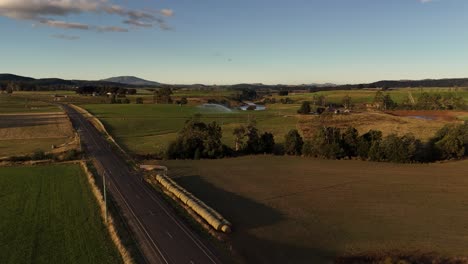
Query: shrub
x: 139, y: 100
x: 305, y: 108
x: 293, y: 143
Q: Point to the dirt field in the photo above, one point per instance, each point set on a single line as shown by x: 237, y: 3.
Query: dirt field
x: 25, y: 133
x: 299, y: 210
x: 422, y: 128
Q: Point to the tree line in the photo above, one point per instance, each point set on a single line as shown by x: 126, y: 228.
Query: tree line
x: 200, y: 140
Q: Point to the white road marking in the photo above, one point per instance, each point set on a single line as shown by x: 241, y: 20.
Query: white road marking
x: 169, y: 234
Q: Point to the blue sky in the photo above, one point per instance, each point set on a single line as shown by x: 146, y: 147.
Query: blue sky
x: 224, y: 42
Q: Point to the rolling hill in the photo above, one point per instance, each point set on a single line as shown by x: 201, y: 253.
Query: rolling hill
x: 131, y: 80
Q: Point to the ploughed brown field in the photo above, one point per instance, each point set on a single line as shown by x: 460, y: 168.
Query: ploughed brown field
x: 24, y: 133
x: 301, y: 210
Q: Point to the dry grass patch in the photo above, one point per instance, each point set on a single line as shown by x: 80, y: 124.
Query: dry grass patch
x: 365, y: 121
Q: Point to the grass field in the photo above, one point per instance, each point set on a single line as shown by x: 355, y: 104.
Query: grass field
x: 367, y: 96
x: 49, y: 215
x: 146, y: 129
x: 299, y: 210
x: 15, y: 104
x: 25, y: 133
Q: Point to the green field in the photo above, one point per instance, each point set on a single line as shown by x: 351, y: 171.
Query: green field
x: 149, y: 128
x: 300, y: 210
x: 367, y: 96
x: 15, y: 104
x: 49, y: 215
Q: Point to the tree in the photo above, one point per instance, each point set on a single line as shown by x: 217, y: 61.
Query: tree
x: 283, y: 93
x: 384, y: 101
x: 319, y: 100
x: 197, y: 140
x: 267, y: 143
x: 367, y: 141
x: 305, y: 108
x: 350, y: 142
x: 347, y: 102
x: 253, y: 139
x: 451, y: 141
x: 162, y: 96
x: 239, y: 134
x: 293, y: 143
x: 183, y: 101
x: 139, y: 100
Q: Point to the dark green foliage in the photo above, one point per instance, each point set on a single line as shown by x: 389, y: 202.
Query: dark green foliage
x: 350, y: 142
x: 139, y: 100
x: 162, y: 96
x: 384, y: 101
x: 286, y: 100
x: 436, y: 101
x: 267, y: 143
x: 305, y: 108
x: 398, y: 149
x: 255, y: 143
x: 39, y: 155
x: 327, y: 143
x: 451, y: 142
x: 293, y: 143
x: 197, y: 140
x: 366, y: 141
x: 283, y: 93
x: 253, y: 139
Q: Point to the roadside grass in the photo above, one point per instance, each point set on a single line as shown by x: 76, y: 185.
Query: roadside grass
x: 49, y: 215
x: 300, y: 210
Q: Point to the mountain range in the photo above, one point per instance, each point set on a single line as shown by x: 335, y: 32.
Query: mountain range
x: 131, y: 80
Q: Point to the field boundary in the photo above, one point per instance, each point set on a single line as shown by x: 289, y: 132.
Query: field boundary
x: 110, y: 226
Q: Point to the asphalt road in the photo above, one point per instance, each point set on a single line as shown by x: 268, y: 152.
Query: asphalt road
x: 161, y: 235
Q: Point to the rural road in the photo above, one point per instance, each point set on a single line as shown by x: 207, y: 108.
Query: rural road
x: 161, y: 235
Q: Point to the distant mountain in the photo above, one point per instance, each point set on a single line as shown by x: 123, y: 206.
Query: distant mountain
x: 6, y: 77
x: 131, y: 80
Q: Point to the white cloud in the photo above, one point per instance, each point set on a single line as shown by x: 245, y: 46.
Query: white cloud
x: 45, y: 12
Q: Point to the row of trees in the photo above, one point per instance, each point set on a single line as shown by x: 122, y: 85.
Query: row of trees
x: 199, y: 140
x: 450, y: 142
x: 90, y: 89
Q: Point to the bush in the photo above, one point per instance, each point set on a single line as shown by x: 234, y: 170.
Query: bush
x: 305, y: 108
x: 139, y: 100
x: 293, y: 143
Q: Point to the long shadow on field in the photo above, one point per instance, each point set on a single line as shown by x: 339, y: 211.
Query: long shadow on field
x: 19, y: 121
x: 245, y: 215
x: 243, y: 212
x: 260, y: 251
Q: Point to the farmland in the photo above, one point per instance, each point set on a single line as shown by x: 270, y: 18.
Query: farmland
x: 299, y: 210
x: 15, y: 104
x: 49, y: 215
x: 24, y: 133
x: 148, y: 128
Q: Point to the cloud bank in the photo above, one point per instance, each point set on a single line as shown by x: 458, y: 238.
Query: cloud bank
x: 52, y: 13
